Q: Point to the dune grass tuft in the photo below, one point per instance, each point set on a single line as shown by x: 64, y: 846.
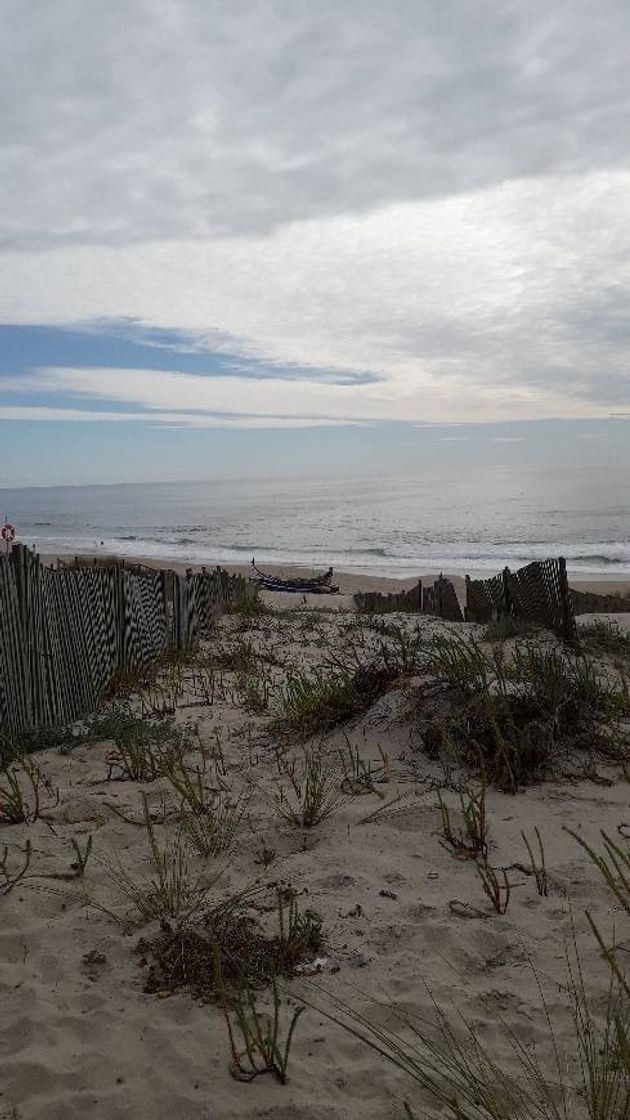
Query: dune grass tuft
x: 510, y: 715
x: 264, y: 1047
x: 472, y: 840
x: 449, y: 1063
x: 170, y: 891
x: 603, y: 635
x: 312, y: 794
x: 215, y: 828
x: 10, y: 876
x: 315, y: 704
x: 25, y: 791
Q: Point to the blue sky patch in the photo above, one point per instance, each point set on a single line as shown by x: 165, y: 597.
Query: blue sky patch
x: 126, y: 344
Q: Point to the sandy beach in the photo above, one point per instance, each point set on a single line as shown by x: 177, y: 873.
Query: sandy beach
x: 329, y: 296
x: 91, y: 1025
x: 349, y: 582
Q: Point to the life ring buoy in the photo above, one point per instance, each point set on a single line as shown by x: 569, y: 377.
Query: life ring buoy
x: 8, y: 532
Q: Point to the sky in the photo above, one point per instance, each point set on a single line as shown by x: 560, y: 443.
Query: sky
x: 245, y: 236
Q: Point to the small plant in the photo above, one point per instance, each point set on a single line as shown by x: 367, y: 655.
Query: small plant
x: 510, y: 714
x: 315, y: 704
x: 247, y: 603
x: 134, y: 760
x: 10, y: 878
x: 170, y: 892
x: 313, y: 798
x: 33, y: 739
x: 462, y: 662
x: 140, y: 744
x: 603, y: 1046
x: 299, y: 934
x: 472, y: 840
x: 266, y: 856
x: 9, y: 751
x: 434, y: 737
x: 498, y: 893
x: 263, y: 1048
x: 82, y: 855
x: 538, y: 868
x: 201, y: 685
x: 449, y: 1061
x: 188, y: 783
x: 253, y: 690
x: 214, y: 829
x: 228, y: 947
x: 506, y: 627
x: 614, y: 867
x: 604, y: 635
x: 236, y: 657
x: 408, y: 651
x: 127, y: 682
x: 22, y: 786
x: 358, y: 776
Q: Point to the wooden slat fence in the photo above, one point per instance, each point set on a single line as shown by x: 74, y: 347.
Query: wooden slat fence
x: 440, y: 599
x: 65, y: 631
x: 588, y: 602
x: 374, y: 602
x: 539, y: 592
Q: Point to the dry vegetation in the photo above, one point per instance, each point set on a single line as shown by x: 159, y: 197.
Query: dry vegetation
x: 377, y: 820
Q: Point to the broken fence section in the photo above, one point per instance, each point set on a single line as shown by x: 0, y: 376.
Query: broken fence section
x: 588, y: 602
x: 440, y: 599
x: 538, y: 592
x: 373, y: 602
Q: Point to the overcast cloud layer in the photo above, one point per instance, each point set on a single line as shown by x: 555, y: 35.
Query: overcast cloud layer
x: 430, y: 200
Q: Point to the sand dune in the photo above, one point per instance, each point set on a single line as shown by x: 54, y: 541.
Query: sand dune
x: 79, y: 1036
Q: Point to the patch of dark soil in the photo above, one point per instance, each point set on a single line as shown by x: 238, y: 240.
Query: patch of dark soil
x: 223, y: 952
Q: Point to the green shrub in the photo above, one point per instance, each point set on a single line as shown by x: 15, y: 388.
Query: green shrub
x: 314, y: 704
x: 510, y: 715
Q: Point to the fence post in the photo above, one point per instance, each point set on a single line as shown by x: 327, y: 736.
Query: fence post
x: 507, y: 594
x: 568, y: 630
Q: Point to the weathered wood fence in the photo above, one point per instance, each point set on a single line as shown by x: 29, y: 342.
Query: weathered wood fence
x: 589, y: 602
x: 539, y: 592
x: 374, y: 602
x: 66, y: 631
x: 439, y: 599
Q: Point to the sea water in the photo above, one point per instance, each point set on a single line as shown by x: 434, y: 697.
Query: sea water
x: 475, y: 520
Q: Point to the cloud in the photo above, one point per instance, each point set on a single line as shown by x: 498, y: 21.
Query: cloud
x: 39, y: 413
x: 465, y: 308
x: 404, y: 211
x: 149, y: 119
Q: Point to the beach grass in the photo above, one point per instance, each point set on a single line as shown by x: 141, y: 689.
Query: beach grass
x: 170, y: 890
x: 311, y: 792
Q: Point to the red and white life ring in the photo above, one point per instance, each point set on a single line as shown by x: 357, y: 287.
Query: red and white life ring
x: 8, y: 532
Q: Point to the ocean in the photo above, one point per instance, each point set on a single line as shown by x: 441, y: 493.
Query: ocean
x: 475, y: 520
